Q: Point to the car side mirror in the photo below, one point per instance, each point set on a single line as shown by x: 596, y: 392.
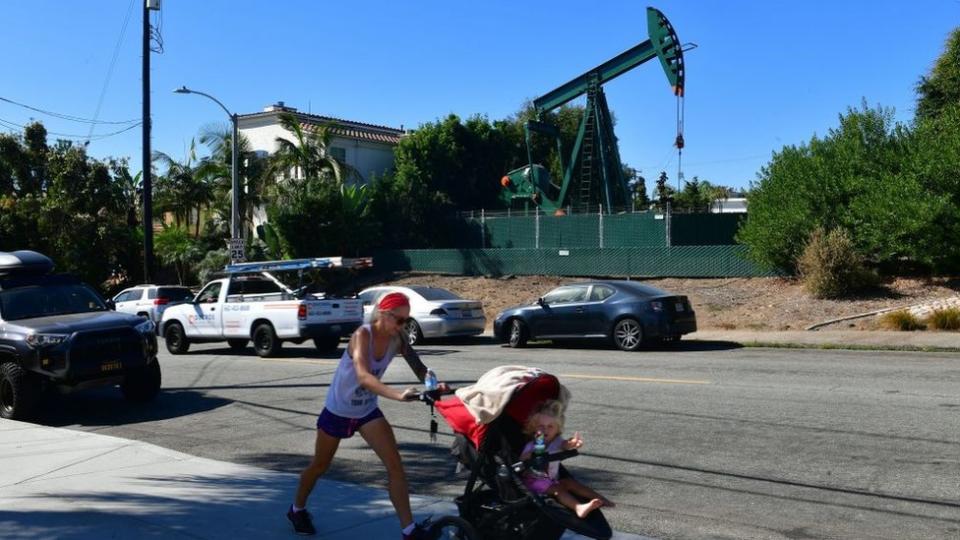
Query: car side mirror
x: 111, y: 305
x: 541, y: 302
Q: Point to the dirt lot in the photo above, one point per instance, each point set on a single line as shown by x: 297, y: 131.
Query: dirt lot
x: 733, y: 303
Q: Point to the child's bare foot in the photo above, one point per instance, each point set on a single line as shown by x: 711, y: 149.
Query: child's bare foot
x: 584, y: 509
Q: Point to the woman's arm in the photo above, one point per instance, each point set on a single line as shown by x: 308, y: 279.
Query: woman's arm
x: 360, y: 354
x: 413, y: 360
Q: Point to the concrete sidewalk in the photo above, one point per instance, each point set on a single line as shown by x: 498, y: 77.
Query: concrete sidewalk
x: 947, y: 341
x: 58, y: 483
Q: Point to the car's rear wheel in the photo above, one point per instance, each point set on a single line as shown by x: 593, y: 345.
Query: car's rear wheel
x: 265, y: 340
x: 414, y: 334
x: 176, y: 339
x: 517, y: 334
x: 19, y: 392
x: 143, y: 384
x: 628, y: 334
x: 237, y: 345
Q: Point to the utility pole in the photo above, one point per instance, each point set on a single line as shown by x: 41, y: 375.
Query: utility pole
x: 149, y: 5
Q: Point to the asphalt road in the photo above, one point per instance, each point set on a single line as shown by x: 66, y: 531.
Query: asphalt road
x: 696, y: 441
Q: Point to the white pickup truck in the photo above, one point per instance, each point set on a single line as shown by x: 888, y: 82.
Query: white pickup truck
x: 250, y: 303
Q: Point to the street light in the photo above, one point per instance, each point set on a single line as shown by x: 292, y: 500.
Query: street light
x: 236, y: 241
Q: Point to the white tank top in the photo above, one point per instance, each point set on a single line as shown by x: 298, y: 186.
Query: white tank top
x: 346, y: 397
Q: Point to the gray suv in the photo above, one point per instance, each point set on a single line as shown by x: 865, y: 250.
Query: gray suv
x: 58, y: 332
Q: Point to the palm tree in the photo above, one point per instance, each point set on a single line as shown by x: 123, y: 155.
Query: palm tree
x: 308, y: 155
x: 175, y: 247
x: 252, y: 171
x: 184, y: 188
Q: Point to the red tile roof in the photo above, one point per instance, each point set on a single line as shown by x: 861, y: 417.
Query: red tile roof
x: 341, y: 128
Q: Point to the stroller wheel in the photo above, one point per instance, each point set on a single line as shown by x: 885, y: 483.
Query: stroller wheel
x: 452, y: 528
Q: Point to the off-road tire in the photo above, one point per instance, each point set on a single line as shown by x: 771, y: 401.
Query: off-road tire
x: 143, y: 384
x: 19, y: 392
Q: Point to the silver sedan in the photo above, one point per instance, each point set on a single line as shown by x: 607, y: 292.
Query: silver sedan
x: 434, y: 312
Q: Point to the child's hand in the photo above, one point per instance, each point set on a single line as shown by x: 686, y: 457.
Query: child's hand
x: 574, y: 442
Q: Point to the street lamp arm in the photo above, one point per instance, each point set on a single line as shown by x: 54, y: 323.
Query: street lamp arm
x: 185, y: 90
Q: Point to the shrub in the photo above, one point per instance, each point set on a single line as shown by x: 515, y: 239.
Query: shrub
x: 945, y: 319
x: 901, y: 320
x: 830, y: 266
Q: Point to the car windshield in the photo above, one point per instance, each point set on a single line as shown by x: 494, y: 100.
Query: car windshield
x: 642, y: 290
x: 175, y: 294
x: 47, y: 301
x: 434, y: 293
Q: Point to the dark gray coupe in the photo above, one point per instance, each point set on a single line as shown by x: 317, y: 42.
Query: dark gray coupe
x: 626, y: 312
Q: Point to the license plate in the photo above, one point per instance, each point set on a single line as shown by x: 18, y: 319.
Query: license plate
x: 679, y: 307
x: 111, y: 366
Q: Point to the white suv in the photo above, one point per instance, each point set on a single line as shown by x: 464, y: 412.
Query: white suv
x: 149, y: 301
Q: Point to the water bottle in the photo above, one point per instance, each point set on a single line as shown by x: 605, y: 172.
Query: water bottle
x: 430, y: 380
x: 539, y: 453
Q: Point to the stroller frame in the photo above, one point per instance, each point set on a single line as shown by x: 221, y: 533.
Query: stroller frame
x: 495, y: 500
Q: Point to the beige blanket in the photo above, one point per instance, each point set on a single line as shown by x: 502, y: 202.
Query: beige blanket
x: 487, y: 398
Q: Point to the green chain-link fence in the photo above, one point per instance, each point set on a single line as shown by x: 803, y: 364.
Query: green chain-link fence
x: 676, y: 261
x: 645, y: 229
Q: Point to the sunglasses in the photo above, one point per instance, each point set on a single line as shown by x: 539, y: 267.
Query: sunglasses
x: 399, y: 319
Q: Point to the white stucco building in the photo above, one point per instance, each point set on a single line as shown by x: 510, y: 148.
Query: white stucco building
x: 367, y: 148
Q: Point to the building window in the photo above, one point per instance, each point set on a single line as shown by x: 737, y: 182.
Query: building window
x: 340, y: 154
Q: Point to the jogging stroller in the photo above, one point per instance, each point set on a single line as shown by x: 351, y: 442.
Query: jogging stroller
x: 496, y: 502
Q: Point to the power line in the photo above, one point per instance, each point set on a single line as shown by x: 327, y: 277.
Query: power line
x: 66, y: 116
x: 19, y: 127
x: 113, y: 63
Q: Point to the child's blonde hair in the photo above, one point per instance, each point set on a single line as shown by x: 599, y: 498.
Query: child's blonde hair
x: 550, y: 407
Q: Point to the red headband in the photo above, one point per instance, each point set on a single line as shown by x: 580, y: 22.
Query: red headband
x: 393, y: 300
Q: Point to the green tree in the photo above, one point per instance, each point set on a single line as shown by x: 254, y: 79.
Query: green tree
x: 175, y: 247
x: 941, y: 89
x: 638, y: 187
x: 57, y: 200
x: 855, y: 179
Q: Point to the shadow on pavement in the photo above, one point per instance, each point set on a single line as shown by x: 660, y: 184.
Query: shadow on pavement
x: 106, y: 407
x: 185, y: 505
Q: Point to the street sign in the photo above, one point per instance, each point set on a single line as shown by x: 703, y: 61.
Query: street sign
x: 237, y: 251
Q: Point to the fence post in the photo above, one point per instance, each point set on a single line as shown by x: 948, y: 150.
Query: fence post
x: 601, y: 225
x: 483, y: 229
x: 667, y: 220
x: 536, y: 223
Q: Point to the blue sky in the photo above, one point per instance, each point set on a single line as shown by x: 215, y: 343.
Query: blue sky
x: 766, y: 73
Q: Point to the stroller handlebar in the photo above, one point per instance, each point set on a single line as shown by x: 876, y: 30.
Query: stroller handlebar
x: 520, y: 466
x: 429, y: 396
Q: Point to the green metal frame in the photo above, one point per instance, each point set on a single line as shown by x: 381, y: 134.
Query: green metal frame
x: 532, y: 183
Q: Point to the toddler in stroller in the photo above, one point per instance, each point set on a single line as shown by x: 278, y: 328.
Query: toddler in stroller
x: 488, y: 419
x: 545, y: 427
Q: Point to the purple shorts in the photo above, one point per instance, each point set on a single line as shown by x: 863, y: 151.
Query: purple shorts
x: 538, y: 484
x: 342, y: 427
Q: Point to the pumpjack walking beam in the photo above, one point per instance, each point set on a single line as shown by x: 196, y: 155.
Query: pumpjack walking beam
x: 595, y: 148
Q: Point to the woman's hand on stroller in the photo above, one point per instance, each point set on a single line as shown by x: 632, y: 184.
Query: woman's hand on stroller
x: 410, y: 394
x: 573, y: 443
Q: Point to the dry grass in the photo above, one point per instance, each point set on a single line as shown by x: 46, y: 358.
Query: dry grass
x: 945, y: 319
x: 901, y: 320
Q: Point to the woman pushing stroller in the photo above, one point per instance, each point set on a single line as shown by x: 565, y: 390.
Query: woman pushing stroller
x: 351, y: 406
x: 545, y: 426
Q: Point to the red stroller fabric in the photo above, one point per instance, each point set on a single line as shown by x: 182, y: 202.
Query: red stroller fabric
x: 459, y: 419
